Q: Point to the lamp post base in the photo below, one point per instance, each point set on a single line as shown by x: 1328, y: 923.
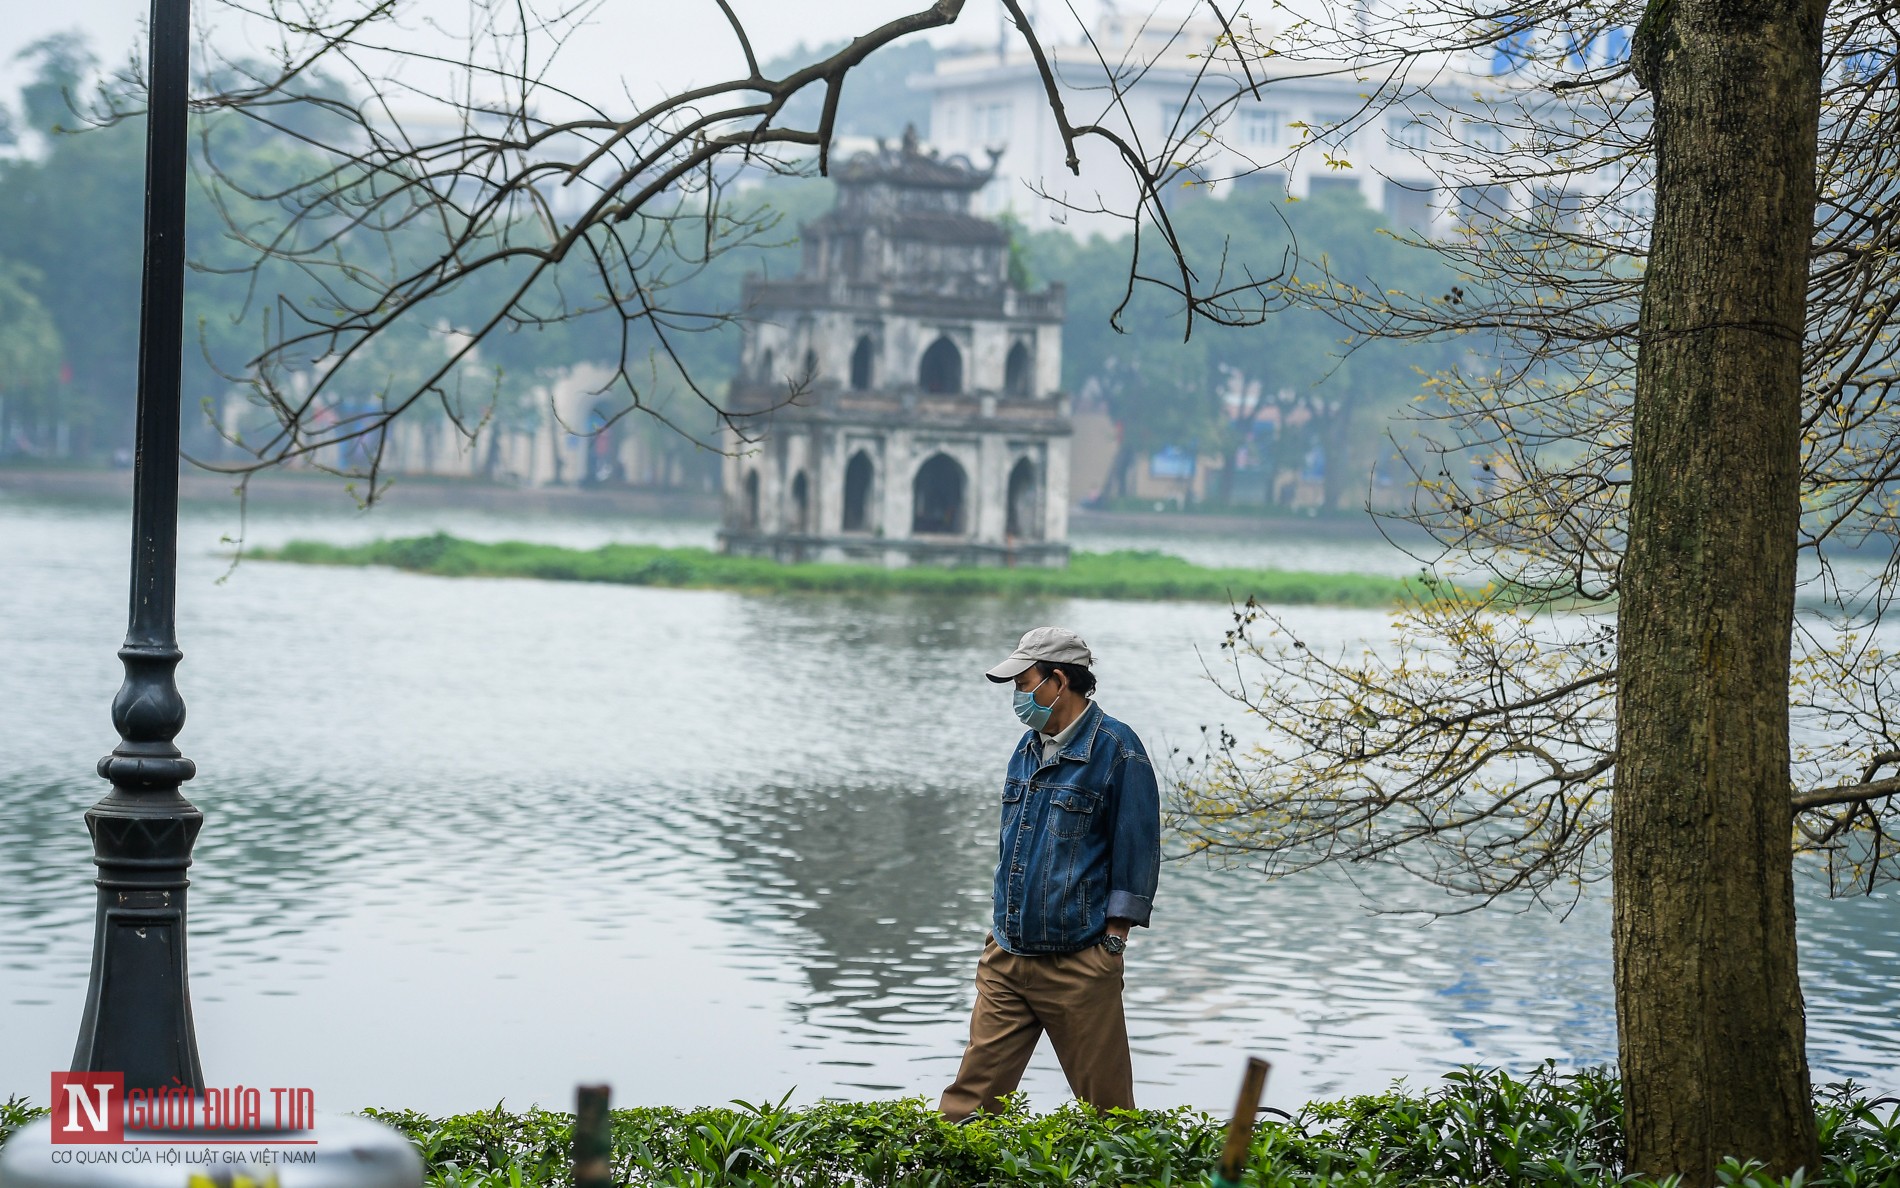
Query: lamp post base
x: 138, y: 1000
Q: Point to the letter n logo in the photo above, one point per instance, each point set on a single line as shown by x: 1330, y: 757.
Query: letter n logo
x: 88, y: 1107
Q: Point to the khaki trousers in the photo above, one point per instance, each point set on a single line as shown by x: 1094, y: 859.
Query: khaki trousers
x: 1075, y: 997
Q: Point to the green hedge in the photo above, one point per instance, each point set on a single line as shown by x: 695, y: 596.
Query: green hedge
x: 1122, y: 575
x: 1476, y: 1128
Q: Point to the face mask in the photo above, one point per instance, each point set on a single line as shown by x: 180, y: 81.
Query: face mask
x: 1033, y: 713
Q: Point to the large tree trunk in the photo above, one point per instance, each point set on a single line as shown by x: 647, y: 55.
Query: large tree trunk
x: 1708, y: 1003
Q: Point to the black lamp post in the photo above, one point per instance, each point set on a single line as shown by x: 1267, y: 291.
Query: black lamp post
x: 138, y: 1005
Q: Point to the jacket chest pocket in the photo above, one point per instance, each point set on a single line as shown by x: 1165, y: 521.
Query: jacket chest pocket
x: 1071, y: 811
x: 1012, y: 791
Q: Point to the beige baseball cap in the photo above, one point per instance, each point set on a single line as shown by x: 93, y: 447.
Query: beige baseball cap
x: 1051, y: 645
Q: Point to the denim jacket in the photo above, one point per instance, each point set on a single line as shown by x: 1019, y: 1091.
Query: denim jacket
x: 1081, y: 839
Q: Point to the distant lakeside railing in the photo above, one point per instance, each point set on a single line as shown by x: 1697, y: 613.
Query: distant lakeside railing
x: 906, y: 404
x: 947, y: 298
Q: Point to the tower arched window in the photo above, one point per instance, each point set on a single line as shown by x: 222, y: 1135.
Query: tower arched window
x: 1025, y: 503
x: 1019, y: 371
x: 859, y: 475
x: 937, y: 497
x: 863, y: 365
x: 801, y: 504
x: 942, y: 368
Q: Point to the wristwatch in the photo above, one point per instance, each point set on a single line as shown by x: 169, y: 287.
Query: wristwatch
x: 1114, y: 944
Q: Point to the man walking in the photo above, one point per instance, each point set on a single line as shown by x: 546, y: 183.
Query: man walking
x: 1077, y: 866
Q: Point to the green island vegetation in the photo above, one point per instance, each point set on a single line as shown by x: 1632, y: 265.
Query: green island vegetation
x: 1477, y: 1127
x: 1120, y: 575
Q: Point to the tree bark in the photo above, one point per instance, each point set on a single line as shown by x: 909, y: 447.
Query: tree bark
x: 1708, y: 1001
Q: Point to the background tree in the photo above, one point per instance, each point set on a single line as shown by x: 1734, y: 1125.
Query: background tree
x: 64, y: 220
x: 30, y: 353
x: 68, y: 223
x: 1628, y: 662
x: 1701, y: 814
x: 1209, y: 393
x: 879, y: 100
x: 538, y: 208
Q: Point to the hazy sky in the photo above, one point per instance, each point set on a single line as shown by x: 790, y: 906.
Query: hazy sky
x: 651, y: 43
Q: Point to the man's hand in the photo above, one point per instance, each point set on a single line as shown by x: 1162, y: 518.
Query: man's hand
x: 1119, y: 927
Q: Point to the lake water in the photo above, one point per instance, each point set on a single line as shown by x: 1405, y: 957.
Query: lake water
x: 470, y: 841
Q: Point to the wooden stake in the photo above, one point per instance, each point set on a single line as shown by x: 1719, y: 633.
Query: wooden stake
x: 1233, y: 1157
x: 593, y: 1137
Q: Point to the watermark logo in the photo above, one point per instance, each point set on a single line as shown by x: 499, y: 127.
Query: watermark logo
x: 88, y: 1107
x: 96, y: 1107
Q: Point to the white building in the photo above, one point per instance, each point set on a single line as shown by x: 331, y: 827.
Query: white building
x: 1424, y: 150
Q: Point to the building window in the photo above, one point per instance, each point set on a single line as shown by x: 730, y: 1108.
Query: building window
x: 858, y: 476
x: 1482, y: 206
x: 1488, y: 137
x: 1019, y: 372
x: 1334, y: 127
x: 1273, y: 182
x: 1409, y: 133
x: 750, y: 512
x: 1408, y: 204
x: 937, y: 497
x: 863, y: 364
x: 1335, y: 189
x: 1184, y: 120
x: 941, y: 371
x: 1559, y: 210
x: 992, y: 122
x: 1634, y: 209
x: 1261, y: 127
